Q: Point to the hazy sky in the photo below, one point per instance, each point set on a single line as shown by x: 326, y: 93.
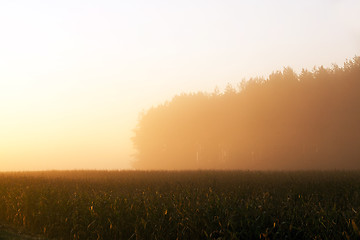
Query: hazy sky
x: 74, y: 75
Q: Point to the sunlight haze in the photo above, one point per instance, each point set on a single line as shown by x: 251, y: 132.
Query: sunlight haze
x: 75, y: 75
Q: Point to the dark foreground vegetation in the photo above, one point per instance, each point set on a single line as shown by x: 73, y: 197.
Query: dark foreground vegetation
x: 182, y: 205
x: 287, y: 121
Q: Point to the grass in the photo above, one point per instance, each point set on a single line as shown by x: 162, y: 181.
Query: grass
x: 182, y: 205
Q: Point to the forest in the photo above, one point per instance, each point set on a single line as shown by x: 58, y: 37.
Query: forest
x: 287, y: 121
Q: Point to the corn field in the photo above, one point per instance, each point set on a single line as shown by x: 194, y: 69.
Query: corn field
x: 182, y: 204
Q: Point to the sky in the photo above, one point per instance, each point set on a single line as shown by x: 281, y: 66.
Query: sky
x: 75, y: 75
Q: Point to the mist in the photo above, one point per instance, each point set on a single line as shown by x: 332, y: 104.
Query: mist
x: 287, y: 121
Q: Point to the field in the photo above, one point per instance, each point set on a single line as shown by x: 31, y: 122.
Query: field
x: 182, y: 205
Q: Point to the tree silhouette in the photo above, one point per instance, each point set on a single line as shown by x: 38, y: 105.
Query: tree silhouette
x: 287, y: 121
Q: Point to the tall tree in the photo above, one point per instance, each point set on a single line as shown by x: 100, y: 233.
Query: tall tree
x: 286, y: 121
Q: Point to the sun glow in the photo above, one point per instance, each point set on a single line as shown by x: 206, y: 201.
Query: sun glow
x: 74, y: 76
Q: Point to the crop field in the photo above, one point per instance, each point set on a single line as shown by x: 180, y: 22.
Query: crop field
x: 182, y: 205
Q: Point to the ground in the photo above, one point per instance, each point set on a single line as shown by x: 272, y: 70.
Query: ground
x: 11, y: 234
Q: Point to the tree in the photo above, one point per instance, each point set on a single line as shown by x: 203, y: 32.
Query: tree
x: 286, y: 121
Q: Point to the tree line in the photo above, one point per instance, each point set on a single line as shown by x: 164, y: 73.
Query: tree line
x: 287, y: 121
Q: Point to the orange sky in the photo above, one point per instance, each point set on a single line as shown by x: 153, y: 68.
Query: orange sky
x: 75, y: 75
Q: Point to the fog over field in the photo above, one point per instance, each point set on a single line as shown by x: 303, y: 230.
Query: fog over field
x: 79, y: 80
